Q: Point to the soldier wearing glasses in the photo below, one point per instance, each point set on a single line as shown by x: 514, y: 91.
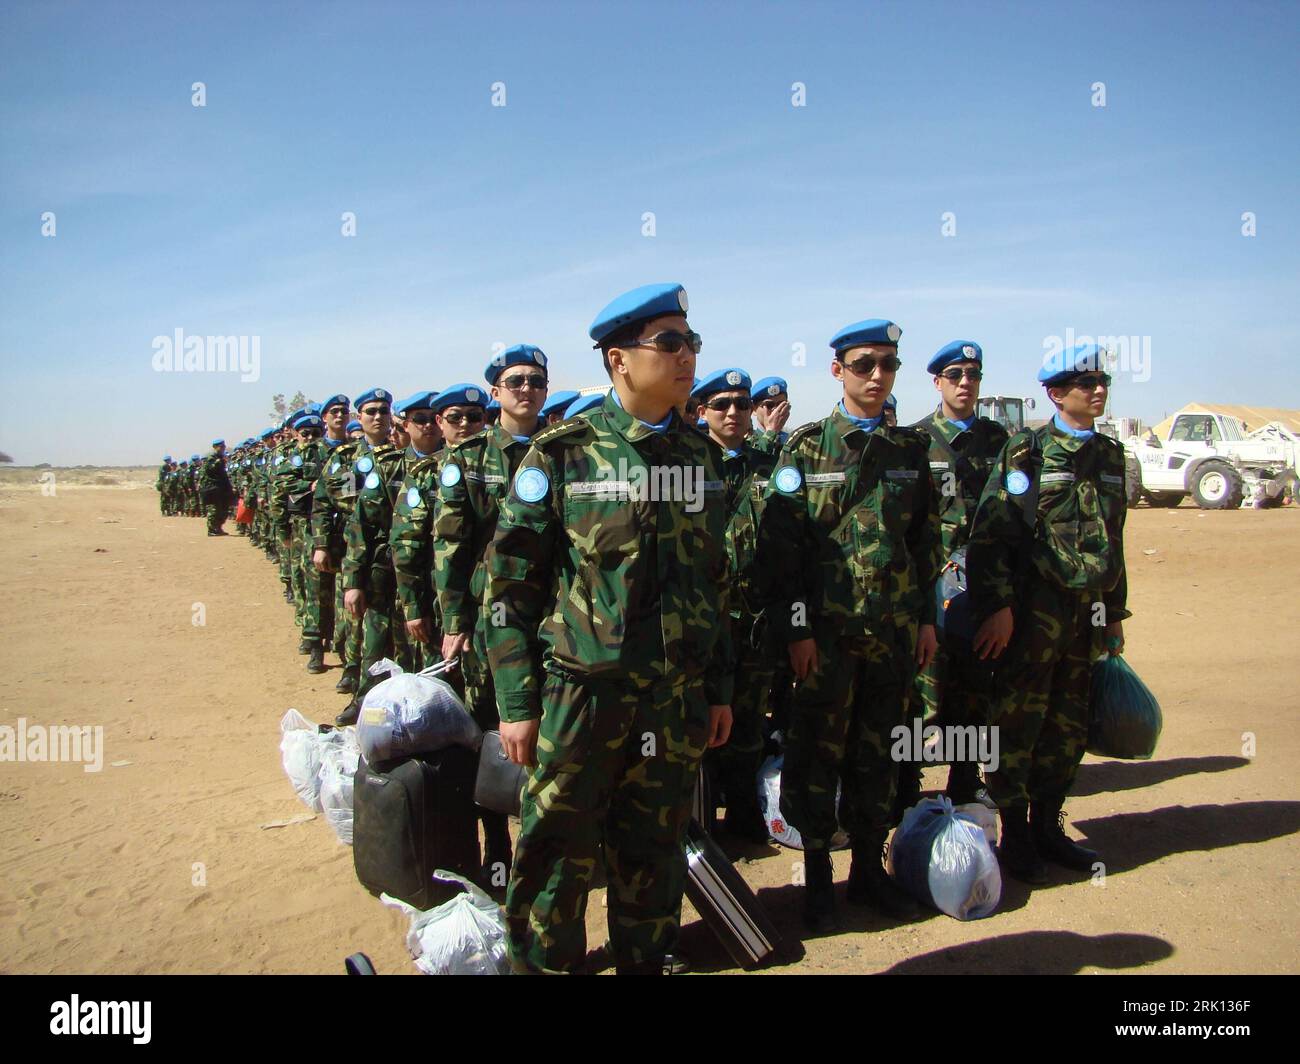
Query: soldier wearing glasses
x: 850, y: 538
x: 771, y: 397
x: 612, y: 664
x: 956, y: 686
x: 726, y: 403
x: 1047, y: 578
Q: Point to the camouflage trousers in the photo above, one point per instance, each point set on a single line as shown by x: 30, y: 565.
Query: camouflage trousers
x: 347, y: 632
x: 383, y: 631
x: 1040, y: 701
x: 217, y: 512
x: 284, y: 553
x: 735, y: 765
x: 616, y: 764
x: 315, y: 608
x: 841, y: 725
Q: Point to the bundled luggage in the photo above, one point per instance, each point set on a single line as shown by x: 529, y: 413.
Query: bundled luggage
x: 412, y: 817
x: 412, y: 713
x: 769, y: 799
x: 463, y: 936
x: 1124, y: 716
x: 942, y: 856
x: 338, y: 768
x: 302, y: 748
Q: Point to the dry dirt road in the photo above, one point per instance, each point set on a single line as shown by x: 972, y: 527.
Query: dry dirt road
x: 158, y: 863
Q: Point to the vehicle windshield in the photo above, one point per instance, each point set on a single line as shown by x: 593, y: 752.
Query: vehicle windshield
x: 1194, y: 428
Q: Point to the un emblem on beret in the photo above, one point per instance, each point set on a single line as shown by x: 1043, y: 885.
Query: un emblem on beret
x: 531, y: 485
x: 893, y: 332
x: 472, y: 394
x: 968, y: 351
x: 539, y: 358
x: 380, y: 393
x: 773, y: 389
x: 682, y: 302
x: 733, y: 378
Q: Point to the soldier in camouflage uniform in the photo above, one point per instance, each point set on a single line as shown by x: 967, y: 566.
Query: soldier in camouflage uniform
x: 369, y: 584
x: 476, y: 472
x: 612, y: 659
x: 955, y: 688
x: 725, y: 403
x: 290, y: 492
x: 162, y: 484
x: 411, y: 535
x: 332, y: 501
x: 315, y: 607
x: 850, y: 540
x: 279, y: 476
x: 1047, y: 579
x: 213, y: 488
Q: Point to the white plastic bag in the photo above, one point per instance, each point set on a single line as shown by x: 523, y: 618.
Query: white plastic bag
x: 769, y: 799
x: 463, y: 936
x: 300, y: 753
x: 942, y: 857
x: 412, y: 714
x: 338, y: 767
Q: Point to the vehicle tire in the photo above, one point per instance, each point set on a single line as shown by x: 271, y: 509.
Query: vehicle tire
x: 1132, y: 479
x: 1164, y: 498
x: 1216, y: 486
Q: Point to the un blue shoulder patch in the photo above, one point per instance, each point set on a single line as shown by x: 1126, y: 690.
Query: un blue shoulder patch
x: 788, y: 480
x: 372, y: 481
x: 450, y: 476
x: 1017, y: 482
x: 531, y: 484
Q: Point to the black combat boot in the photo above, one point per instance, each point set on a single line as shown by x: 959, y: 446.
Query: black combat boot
x: 316, y: 663
x: 1047, y: 828
x: 350, y: 713
x: 870, y: 884
x: 1016, y: 851
x: 963, y: 782
x: 305, y: 645
x: 288, y: 594
x: 819, y: 889
x: 348, y: 681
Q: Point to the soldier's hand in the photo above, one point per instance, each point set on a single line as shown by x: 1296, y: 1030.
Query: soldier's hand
x: 418, y: 629
x: 994, y: 634
x: 803, y: 658
x: 520, y: 741
x: 1115, y: 638
x: 354, y: 602
x: 927, y: 643
x: 779, y: 416
x: 719, y: 725
x: 321, y: 560
x: 453, y: 646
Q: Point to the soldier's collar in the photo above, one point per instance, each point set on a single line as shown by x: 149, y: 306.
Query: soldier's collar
x: 634, y: 429
x: 846, y: 424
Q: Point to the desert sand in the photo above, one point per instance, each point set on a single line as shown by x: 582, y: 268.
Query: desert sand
x: 160, y: 863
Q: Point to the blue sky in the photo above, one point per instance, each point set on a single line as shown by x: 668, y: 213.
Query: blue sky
x: 479, y: 225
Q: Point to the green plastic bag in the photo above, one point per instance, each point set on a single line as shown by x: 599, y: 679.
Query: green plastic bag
x: 1125, y: 718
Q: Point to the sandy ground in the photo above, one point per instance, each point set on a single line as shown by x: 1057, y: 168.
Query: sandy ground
x: 159, y: 863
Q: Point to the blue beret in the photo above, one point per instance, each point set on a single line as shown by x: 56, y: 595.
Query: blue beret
x: 721, y: 380
x: 353, y: 426
x: 167, y: 458
x: 374, y: 395
x: 267, y: 434
x: 769, y: 387
x: 217, y: 443
x: 418, y: 401
x: 459, y: 395
x: 557, y: 403
x: 292, y: 416
x: 891, y: 403
x: 519, y: 355
x: 194, y: 458
x: 640, y: 304
x: 308, y: 421
x: 957, y: 351
x: 335, y: 400
x: 584, y: 403
x: 1062, y: 365
x: 871, y: 331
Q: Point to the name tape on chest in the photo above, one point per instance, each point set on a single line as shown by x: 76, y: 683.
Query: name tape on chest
x: 1057, y: 478
x: 902, y: 474
x: 825, y: 478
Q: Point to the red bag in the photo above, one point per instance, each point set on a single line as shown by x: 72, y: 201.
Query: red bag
x: 243, y: 514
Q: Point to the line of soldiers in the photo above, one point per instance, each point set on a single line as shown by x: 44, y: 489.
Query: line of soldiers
x: 196, y: 487
x: 640, y: 581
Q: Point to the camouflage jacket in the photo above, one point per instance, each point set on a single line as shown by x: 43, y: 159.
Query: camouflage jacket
x: 278, y: 477
x: 960, y: 484
x: 333, y: 497
x: 411, y: 535
x: 1077, y: 539
x: 746, y: 474
x: 291, y: 487
x: 212, y: 479
x: 609, y: 562
x: 850, y: 530
x: 474, y: 478
x: 163, y: 470
x: 365, y: 535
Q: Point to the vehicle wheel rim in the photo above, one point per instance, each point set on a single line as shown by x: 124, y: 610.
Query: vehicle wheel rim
x: 1214, y: 486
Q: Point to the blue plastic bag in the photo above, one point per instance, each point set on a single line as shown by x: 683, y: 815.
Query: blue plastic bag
x: 1124, y: 716
x: 942, y: 857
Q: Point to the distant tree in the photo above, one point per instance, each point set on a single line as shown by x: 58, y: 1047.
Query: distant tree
x: 4, y: 457
x: 278, y: 409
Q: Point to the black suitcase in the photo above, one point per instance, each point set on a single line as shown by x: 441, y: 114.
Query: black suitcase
x: 412, y: 816
x: 500, y: 783
x: 725, y: 902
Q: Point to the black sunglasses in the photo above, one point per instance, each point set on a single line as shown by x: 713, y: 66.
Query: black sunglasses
x: 670, y: 342
x: 374, y: 411
x: 533, y: 380
x: 971, y: 373
x: 1090, y: 381
x: 421, y: 419
x: 864, y: 367
x: 474, y: 417
x: 311, y: 434
x: 740, y: 402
